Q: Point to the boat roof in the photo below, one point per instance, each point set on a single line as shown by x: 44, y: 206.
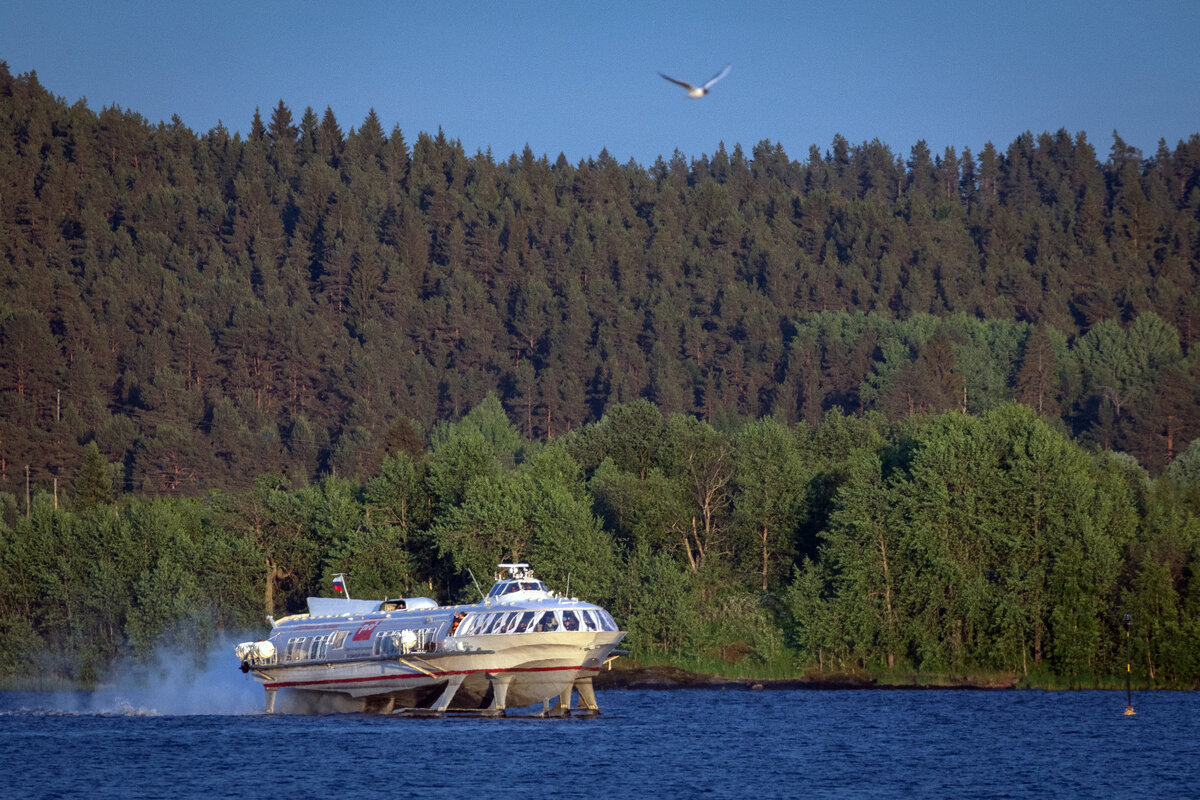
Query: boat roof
x: 341, y: 606
x: 519, y: 587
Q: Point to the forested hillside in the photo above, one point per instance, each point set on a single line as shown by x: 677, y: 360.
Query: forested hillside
x: 855, y: 411
x: 307, y: 300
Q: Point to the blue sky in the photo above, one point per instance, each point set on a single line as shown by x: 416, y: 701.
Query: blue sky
x: 576, y: 77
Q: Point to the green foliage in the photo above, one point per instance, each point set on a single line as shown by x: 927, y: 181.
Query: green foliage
x: 569, y: 541
x: 628, y: 435
x: 949, y: 544
x: 653, y: 510
x: 655, y: 603
x: 378, y: 562
x: 396, y: 496
x: 992, y: 544
x: 93, y: 483
x: 771, y: 493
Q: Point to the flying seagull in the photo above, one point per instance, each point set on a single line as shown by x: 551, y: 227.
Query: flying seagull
x: 701, y: 90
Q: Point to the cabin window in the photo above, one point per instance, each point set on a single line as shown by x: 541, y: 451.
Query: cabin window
x: 498, y: 624
x: 548, y: 622
x: 512, y: 587
x: 589, y: 621
x: 295, y: 649
x: 321, y: 644
x: 570, y: 621
x: 338, y: 640
x: 523, y: 623
x: 607, y: 623
x: 385, y: 644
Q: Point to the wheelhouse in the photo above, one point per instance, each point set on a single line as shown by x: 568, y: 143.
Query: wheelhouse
x: 519, y: 586
x: 503, y: 588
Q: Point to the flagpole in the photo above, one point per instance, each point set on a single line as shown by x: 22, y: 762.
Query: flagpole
x: 339, y: 582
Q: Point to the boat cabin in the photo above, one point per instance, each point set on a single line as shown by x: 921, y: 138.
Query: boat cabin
x: 520, y: 585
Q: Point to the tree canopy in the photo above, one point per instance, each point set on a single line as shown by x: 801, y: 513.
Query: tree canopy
x: 206, y: 308
x: 945, y: 544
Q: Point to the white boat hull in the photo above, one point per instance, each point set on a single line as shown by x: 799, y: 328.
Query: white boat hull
x: 520, y: 645
x: 520, y: 671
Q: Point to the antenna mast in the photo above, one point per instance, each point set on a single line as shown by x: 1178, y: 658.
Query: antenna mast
x: 482, y: 596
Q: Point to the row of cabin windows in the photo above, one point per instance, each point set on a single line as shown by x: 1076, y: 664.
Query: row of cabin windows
x: 537, y: 622
x: 302, y: 648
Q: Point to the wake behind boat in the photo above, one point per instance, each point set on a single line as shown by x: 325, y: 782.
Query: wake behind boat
x: 522, y: 644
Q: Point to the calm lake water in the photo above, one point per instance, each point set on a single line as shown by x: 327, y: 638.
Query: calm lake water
x: 215, y: 742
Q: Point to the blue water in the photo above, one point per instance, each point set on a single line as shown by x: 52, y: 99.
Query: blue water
x: 665, y: 744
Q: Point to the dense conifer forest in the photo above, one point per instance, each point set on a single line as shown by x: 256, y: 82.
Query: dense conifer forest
x: 851, y: 411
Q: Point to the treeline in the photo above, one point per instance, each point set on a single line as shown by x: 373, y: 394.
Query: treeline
x: 205, y: 308
x: 951, y: 544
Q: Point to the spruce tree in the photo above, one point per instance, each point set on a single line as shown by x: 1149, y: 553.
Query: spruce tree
x: 93, y: 482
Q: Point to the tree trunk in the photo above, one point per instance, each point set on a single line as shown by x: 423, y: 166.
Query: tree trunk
x: 274, y: 573
x: 269, y: 592
x: 687, y: 548
x: 764, y: 564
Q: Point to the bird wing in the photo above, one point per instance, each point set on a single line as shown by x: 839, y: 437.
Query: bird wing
x: 684, y: 84
x: 724, y: 71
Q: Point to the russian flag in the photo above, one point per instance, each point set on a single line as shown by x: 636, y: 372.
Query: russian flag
x: 338, y: 584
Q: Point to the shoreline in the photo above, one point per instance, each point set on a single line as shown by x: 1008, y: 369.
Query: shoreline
x: 666, y: 677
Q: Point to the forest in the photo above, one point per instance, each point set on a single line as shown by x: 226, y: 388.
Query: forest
x: 947, y: 544
x: 231, y: 365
